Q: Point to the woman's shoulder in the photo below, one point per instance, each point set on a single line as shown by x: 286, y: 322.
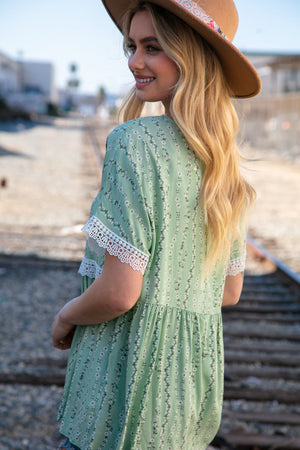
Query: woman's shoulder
x: 146, y: 128
x: 146, y: 140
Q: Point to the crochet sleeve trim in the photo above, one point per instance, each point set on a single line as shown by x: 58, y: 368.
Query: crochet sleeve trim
x: 236, y: 265
x: 89, y: 268
x: 101, y: 238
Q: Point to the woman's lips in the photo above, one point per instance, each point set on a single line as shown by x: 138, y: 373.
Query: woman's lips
x: 143, y: 81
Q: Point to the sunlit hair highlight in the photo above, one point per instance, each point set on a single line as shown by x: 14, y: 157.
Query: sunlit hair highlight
x: 202, y: 108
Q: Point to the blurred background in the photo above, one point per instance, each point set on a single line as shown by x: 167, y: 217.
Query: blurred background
x: 63, y: 76
x: 58, y: 54
x: 61, y: 56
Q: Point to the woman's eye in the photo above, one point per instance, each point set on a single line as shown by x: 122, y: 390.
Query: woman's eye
x: 152, y: 49
x: 130, y: 48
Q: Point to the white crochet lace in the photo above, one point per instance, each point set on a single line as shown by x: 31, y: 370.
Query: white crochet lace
x: 237, y: 265
x: 101, y: 238
x: 89, y: 268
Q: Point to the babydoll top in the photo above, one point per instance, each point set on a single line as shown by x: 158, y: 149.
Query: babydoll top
x: 153, y: 377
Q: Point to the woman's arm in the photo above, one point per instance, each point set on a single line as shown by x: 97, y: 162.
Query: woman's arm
x: 113, y: 293
x: 233, y: 289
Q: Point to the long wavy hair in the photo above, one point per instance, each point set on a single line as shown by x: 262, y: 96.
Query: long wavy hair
x: 202, y: 108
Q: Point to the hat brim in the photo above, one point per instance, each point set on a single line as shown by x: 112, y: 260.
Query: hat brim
x: 241, y: 76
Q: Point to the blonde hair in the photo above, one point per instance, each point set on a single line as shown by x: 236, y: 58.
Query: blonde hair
x: 202, y: 108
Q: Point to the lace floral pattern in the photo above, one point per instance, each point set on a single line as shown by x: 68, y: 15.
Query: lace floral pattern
x: 201, y: 14
x: 237, y: 265
x: 89, y: 268
x: 98, y: 233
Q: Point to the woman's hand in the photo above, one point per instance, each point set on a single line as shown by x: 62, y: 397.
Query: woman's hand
x: 62, y: 333
x: 112, y: 294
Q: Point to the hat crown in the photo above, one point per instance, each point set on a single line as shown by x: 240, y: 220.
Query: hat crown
x: 223, y: 12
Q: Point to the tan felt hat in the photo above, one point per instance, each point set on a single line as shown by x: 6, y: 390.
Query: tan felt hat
x: 216, y: 21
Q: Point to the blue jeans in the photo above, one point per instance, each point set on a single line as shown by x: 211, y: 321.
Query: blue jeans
x: 66, y: 445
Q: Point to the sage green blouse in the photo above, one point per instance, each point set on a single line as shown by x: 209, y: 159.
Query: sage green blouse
x: 153, y: 377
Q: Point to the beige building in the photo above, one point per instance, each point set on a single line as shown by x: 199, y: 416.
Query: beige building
x: 280, y: 73
x: 272, y: 119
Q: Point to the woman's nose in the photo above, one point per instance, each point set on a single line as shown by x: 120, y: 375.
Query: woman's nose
x: 136, y: 61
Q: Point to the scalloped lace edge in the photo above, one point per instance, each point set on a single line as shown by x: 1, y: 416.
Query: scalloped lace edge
x: 96, y: 231
x: 236, y: 265
x: 89, y: 268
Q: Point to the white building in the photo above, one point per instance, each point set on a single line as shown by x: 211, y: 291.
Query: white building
x: 27, y: 85
x: 38, y: 77
x: 9, y: 75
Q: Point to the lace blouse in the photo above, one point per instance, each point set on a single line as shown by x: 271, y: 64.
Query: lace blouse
x: 153, y: 377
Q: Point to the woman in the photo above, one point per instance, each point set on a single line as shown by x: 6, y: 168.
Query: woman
x: 165, y: 240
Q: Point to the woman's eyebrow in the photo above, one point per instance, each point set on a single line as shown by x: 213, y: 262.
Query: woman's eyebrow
x: 145, y: 39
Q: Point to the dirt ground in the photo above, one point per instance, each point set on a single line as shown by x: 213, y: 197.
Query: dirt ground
x: 275, y: 218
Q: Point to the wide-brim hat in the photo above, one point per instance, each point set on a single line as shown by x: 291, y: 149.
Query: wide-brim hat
x: 216, y: 21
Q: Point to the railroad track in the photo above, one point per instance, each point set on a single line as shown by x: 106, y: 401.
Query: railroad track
x: 262, y: 360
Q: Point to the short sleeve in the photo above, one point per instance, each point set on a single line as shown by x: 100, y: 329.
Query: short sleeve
x: 237, y: 256
x: 119, y: 222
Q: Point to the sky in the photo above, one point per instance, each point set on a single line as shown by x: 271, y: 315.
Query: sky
x: 80, y: 31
